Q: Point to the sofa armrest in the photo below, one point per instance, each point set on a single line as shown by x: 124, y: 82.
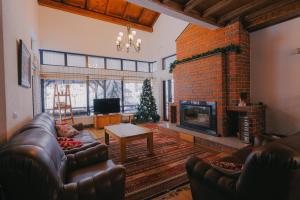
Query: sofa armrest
x: 84, y: 147
x: 203, y: 174
x: 269, y: 171
x: 108, y: 184
x: 88, y: 156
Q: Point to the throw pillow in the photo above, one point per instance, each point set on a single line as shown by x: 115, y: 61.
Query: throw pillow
x: 228, y: 168
x: 66, y: 130
x: 69, y: 143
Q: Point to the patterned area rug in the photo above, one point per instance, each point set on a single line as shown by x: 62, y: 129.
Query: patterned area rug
x: 148, y: 176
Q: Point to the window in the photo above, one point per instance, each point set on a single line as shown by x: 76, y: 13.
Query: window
x: 167, y: 62
x: 143, y: 66
x: 168, y: 97
x: 78, y: 95
x: 49, y: 57
x: 96, y: 91
x: 129, y: 65
x: 114, y: 89
x: 96, y: 62
x: 132, y: 93
x: 153, y: 67
x: 83, y: 94
x: 113, y: 64
x: 76, y: 60
x: 53, y: 58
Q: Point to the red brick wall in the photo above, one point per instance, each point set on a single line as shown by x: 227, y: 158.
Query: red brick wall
x: 204, y: 79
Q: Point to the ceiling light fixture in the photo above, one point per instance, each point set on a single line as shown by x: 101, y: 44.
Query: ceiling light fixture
x: 125, y: 43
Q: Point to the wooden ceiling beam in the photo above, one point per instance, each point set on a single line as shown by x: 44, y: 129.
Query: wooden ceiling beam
x: 269, y: 8
x: 125, y: 11
x: 216, y: 7
x: 86, y: 4
x: 106, y: 9
x: 175, y: 7
x: 273, y: 14
x: 140, y: 15
x: 91, y: 14
x: 243, y: 10
x: 191, y: 4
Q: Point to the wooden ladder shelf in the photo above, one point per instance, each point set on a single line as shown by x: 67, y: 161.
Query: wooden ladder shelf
x: 62, y: 103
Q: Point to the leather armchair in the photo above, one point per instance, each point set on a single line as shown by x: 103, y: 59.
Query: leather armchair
x: 33, y: 166
x: 271, y: 171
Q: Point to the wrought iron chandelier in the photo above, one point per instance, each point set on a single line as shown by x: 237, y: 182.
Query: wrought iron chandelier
x: 127, y: 42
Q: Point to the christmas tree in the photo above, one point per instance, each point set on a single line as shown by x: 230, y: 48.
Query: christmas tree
x: 147, y: 110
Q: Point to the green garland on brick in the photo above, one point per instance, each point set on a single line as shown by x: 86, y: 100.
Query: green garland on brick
x: 229, y: 48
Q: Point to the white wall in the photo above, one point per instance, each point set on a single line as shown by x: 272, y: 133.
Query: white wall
x: 166, y: 31
x: 2, y: 85
x: 65, y: 31
x: 275, y: 75
x: 19, y: 22
x: 69, y: 32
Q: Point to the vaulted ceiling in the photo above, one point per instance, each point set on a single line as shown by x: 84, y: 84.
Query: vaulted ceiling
x: 115, y: 11
x: 254, y: 14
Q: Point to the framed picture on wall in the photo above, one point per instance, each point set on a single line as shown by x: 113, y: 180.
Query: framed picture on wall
x: 24, y: 65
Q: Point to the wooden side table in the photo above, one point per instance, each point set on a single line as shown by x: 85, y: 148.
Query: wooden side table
x: 129, y: 116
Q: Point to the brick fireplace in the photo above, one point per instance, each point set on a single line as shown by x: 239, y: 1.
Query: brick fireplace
x: 219, y: 78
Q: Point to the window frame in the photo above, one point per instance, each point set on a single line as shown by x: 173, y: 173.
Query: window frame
x: 164, y: 59
x: 95, y: 56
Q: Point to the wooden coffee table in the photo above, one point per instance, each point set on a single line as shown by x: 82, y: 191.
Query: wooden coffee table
x: 128, y: 132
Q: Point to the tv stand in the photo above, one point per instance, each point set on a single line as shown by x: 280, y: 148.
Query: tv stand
x: 105, y: 120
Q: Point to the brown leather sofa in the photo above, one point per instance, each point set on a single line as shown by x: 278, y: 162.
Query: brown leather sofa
x: 46, y: 122
x: 271, y: 172
x: 33, y: 166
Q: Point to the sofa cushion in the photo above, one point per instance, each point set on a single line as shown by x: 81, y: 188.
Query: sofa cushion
x: 77, y: 175
x: 85, y: 137
x: 66, y: 130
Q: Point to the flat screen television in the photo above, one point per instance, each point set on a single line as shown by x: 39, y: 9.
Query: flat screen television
x: 106, y: 106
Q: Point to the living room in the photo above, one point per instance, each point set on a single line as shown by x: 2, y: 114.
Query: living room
x: 138, y: 99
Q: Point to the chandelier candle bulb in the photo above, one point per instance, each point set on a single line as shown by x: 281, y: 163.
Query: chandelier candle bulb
x: 125, y: 43
x: 130, y: 37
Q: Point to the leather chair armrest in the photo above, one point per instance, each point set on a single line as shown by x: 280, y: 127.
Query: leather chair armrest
x: 84, y: 147
x: 108, y: 184
x: 88, y: 156
x: 201, y: 171
x: 269, y: 172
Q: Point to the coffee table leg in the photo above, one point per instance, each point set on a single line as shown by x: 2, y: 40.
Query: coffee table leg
x: 106, y: 138
x: 150, y: 143
x: 123, y: 150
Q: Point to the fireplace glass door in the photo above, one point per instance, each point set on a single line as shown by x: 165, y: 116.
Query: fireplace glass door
x: 197, y: 115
